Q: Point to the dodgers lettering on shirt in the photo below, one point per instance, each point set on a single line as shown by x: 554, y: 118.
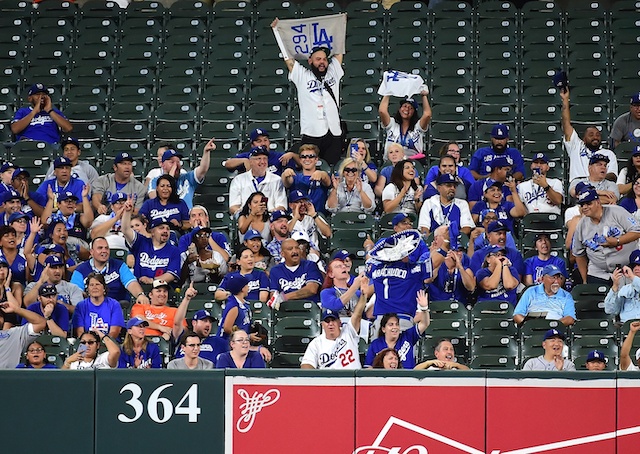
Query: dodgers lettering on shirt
x: 258, y: 281
x: 152, y: 262
x: 243, y: 317
x: 396, y: 285
x: 116, y: 275
x: 87, y: 315
x: 286, y: 280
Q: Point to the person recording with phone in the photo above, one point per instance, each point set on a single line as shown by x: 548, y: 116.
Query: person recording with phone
x: 87, y: 357
x: 540, y: 194
x: 254, y: 215
x: 40, y: 121
x: 350, y: 193
x: 311, y: 180
x: 623, y: 298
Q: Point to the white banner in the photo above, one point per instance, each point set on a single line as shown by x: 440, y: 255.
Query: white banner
x: 402, y: 85
x: 296, y: 37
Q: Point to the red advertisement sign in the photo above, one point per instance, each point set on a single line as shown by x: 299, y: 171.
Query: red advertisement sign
x: 628, y: 414
x: 289, y: 415
x: 551, y: 415
x: 420, y: 415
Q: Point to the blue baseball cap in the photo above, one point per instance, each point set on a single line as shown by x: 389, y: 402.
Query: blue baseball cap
x: 328, y: 313
x: 38, y: 88
x: 491, y: 182
x: 6, y: 166
x: 259, y: 151
x: 257, y: 133
x: 70, y: 140
x: 342, y: 254
x: 124, y: 156
x: 589, y: 194
x: 500, y: 131
x: 53, y: 260
x: 560, y: 79
x: 635, y: 99
x: 596, y: 355
x: 49, y: 249
x: 297, y: 195
x: 66, y: 195
x: 497, y: 226
x: 117, y: 197
x: 501, y: 161
x: 634, y: 258
x: 158, y: 221
x: 597, y: 157
x: 411, y: 101
x: 554, y: 333
x: 398, y: 218
x: 19, y: 171
x: 541, y: 157
x: 202, y: 314
x: 251, y: 234
x: 551, y: 270
x: 18, y: 215
x: 235, y: 282
x: 636, y: 150
x: 47, y: 289
x: 277, y: 214
x: 170, y: 154
x: 136, y: 321
x: 10, y: 194
x: 446, y: 178
x: 61, y: 162
x: 484, y: 213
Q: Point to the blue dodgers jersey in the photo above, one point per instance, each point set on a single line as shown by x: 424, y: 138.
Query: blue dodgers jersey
x: 284, y: 280
x: 152, y: 262
x: 87, y: 315
x: 258, y: 281
x: 243, y: 318
x: 396, y: 285
x: 152, y: 209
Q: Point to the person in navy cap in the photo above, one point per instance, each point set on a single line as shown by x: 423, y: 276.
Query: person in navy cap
x: 76, y: 223
x: 11, y: 203
x: 497, y: 237
x: 186, y: 182
x: 607, y: 190
x: 494, y: 198
x: 54, y: 272
x: 553, y: 357
x: 603, y: 238
x: 257, y: 179
x: 295, y: 278
x: 121, y: 180
x: 479, y: 236
x: 623, y: 298
x: 626, y: 128
x: 279, y: 232
x: 480, y: 165
x: 6, y: 175
x: 311, y: 180
x: 444, y: 208
x: 305, y: 218
x: 541, y: 194
x: 498, y: 279
x: 278, y: 161
x: 62, y: 181
x: 32, y: 201
x: 596, y: 360
x: 501, y: 171
x: 547, y: 297
x: 447, y: 164
x: 237, y: 310
x: 80, y: 168
x: 39, y: 121
x: 580, y: 150
x: 51, y: 309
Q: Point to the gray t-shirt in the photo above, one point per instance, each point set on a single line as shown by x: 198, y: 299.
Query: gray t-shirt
x: 604, y: 185
x: 13, y: 341
x: 106, y: 186
x: 625, y: 129
x: 181, y: 365
x: 540, y: 363
x: 588, y: 239
x: 68, y: 292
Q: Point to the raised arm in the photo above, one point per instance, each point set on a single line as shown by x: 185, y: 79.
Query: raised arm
x: 383, y: 111
x: 625, y: 351
x: 423, y: 304
x: 181, y: 313
x: 205, y: 161
x: 289, y: 61
x: 425, y: 119
x: 567, y: 129
x: 356, y: 316
x: 127, y: 231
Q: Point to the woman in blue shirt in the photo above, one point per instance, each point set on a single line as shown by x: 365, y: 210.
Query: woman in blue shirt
x: 240, y: 356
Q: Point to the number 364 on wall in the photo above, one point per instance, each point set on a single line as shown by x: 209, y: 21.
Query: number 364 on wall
x: 160, y: 409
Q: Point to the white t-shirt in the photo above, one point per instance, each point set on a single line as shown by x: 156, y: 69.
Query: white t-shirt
x: 318, y: 111
x: 341, y: 353
x: 535, y: 198
x: 579, y: 156
x: 406, y: 205
x: 101, y: 362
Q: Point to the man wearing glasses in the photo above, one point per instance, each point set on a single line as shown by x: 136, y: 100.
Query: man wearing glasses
x: 191, y: 345
x: 547, y: 299
x: 311, y: 181
x: 604, y: 237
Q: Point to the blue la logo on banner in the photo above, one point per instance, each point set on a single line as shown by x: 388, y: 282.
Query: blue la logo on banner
x: 296, y: 37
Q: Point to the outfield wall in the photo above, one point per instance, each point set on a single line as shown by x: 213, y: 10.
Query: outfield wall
x: 278, y: 411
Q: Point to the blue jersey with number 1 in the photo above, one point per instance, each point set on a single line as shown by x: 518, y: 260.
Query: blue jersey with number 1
x: 396, y: 285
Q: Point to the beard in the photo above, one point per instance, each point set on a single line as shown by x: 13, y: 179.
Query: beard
x: 316, y: 72
x: 555, y: 288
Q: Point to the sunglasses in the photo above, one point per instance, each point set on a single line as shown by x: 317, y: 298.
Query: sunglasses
x: 308, y: 156
x: 350, y: 170
x: 88, y: 342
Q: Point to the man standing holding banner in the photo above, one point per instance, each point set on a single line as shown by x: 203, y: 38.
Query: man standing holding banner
x: 319, y: 38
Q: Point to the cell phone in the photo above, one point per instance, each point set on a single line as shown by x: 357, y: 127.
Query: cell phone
x: 536, y: 171
x: 354, y: 150
x: 264, y: 200
x: 82, y: 348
